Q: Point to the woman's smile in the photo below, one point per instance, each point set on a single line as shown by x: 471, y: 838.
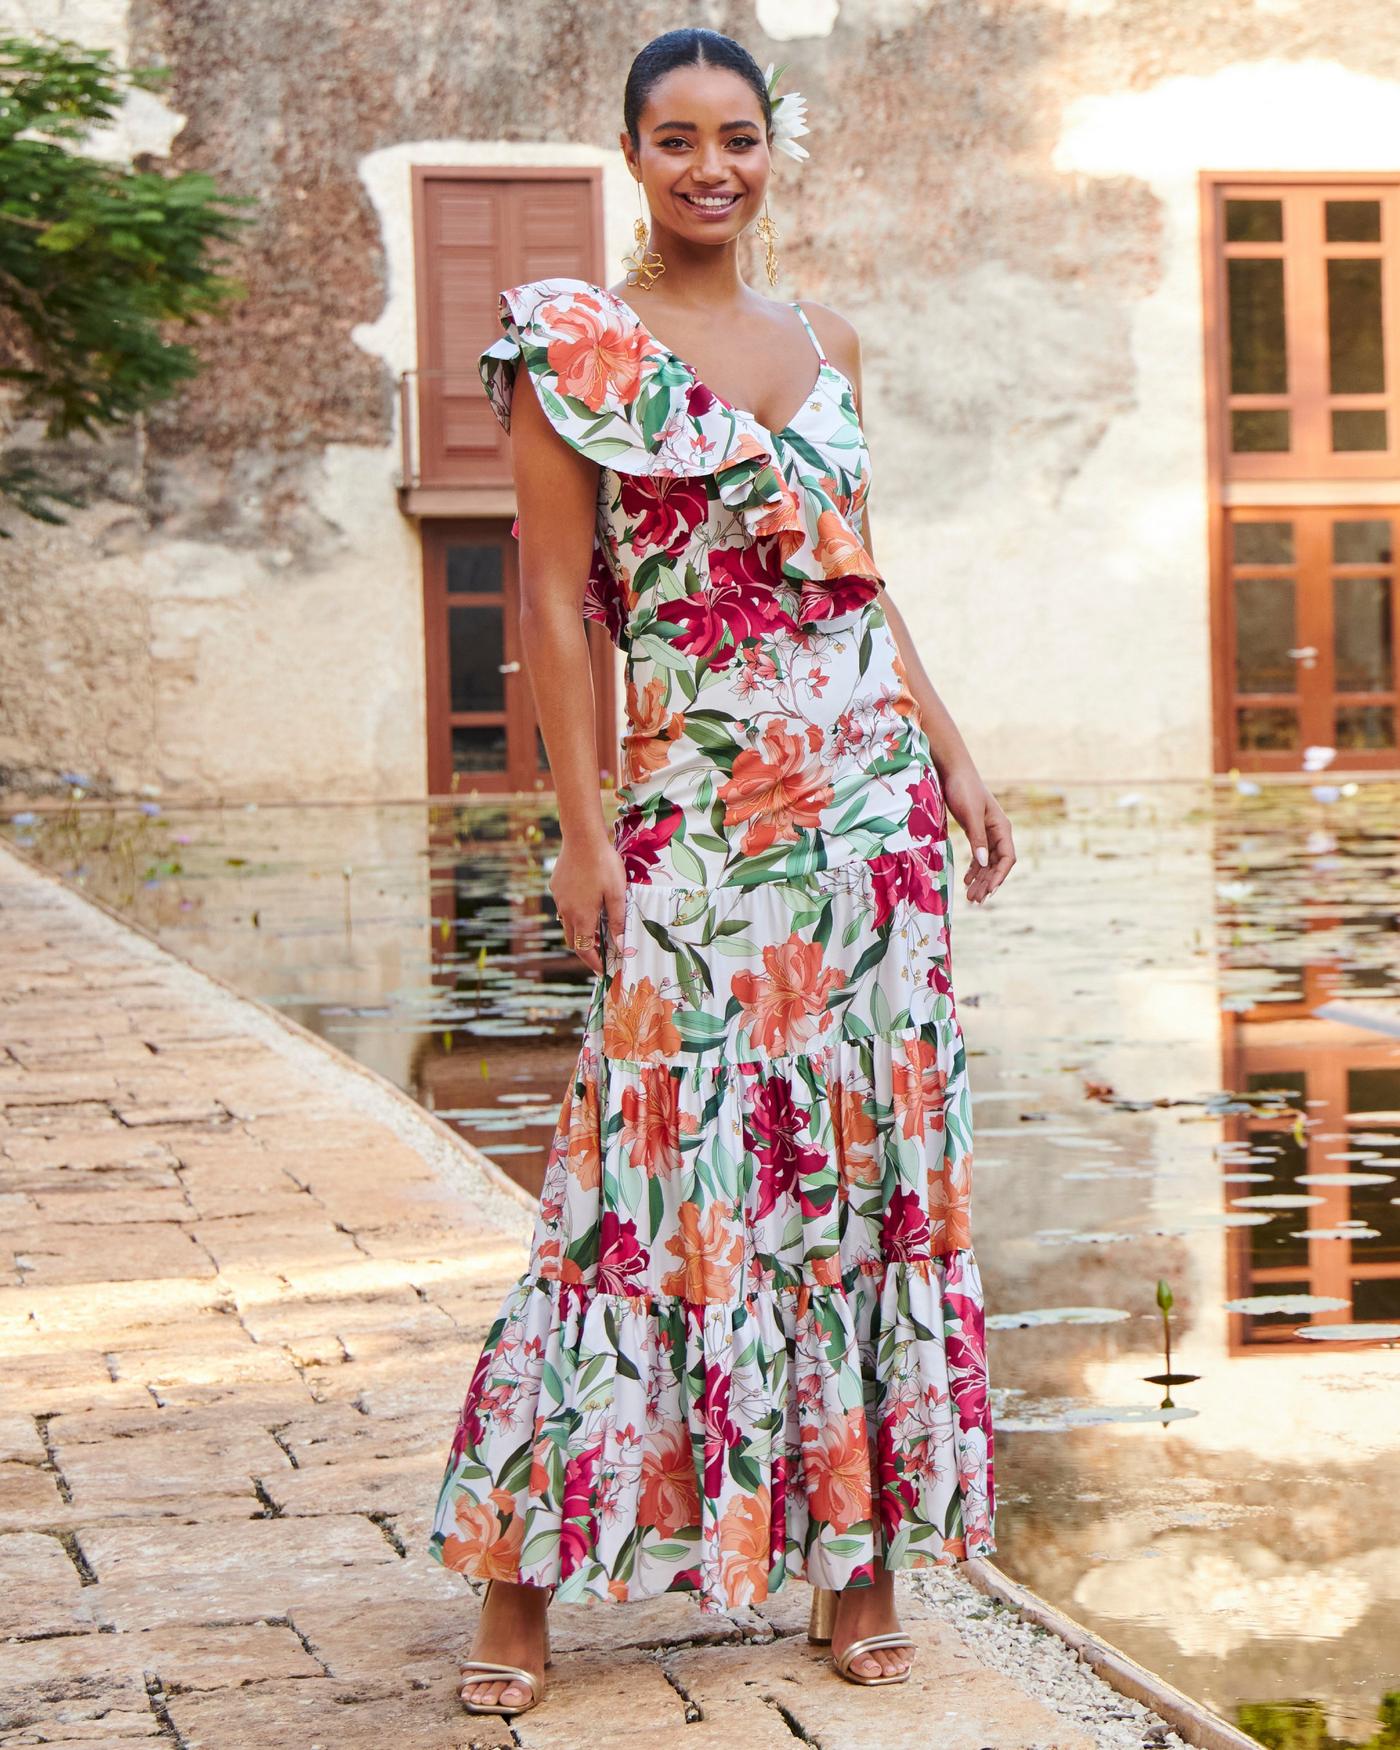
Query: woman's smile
x: 710, y: 205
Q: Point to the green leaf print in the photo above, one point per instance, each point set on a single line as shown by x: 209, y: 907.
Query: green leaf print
x: 663, y: 654
x: 658, y: 934
x: 699, y: 1030
x: 714, y: 734
x: 515, y: 1472
x: 655, y: 408
x: 694, y: 907
x: 744, y: 1470
x: 671, y: 1552
x: 822, y: 934
x: 737, y: 947
x: 806, y: 857
x: 626, y: 1557
x: 686, y: 862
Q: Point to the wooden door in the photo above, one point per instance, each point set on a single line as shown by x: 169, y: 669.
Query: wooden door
x: 1311, y: 606
x: 482, y: 729
x: 477, y: 231
x: 1302, y: 325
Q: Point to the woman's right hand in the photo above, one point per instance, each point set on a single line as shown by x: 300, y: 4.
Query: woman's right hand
x: 588, y: 885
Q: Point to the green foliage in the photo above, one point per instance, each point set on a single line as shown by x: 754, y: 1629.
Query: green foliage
x: 97, y: 260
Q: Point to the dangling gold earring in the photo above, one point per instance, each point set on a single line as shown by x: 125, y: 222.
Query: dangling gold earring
x: 768, y: 231
x: 643, y: 264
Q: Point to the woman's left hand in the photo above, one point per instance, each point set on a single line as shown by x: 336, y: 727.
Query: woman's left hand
x: 988, y: 830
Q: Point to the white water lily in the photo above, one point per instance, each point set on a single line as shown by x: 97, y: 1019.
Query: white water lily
x: 789, y: 117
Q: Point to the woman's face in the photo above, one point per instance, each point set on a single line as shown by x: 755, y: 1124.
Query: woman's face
x: 703, y: 153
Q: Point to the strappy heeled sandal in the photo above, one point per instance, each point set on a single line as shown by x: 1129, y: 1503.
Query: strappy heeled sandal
x: 822, y: 1624
x: 485, y: 1669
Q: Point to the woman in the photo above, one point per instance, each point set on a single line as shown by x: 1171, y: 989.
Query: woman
x: 749, y: 1342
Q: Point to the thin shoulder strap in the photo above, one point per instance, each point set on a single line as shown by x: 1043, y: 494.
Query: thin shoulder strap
x: 811, y: 331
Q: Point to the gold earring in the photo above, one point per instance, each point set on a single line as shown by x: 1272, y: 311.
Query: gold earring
x: 768, y: 231
x: 643, y: 265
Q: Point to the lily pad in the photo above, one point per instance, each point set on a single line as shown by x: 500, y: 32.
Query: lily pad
x: 1345, y: 1179
x: 1056, y: 1315
x: 1335, y: 1233
x: 1276, y: 1303
x: 1350, y: 1333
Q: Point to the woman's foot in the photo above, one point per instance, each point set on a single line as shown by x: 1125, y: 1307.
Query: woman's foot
x: 510, y: 1632
x: 870, y: 1610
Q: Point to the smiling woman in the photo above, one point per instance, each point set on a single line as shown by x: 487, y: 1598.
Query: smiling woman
x: 749, y: 1342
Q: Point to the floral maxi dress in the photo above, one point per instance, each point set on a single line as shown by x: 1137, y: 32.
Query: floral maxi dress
x: 749, y: 1343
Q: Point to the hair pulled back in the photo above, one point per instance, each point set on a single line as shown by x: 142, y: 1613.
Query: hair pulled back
x: 691, y: 47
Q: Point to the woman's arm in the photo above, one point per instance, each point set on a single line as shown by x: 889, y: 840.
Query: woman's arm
x: 969, y: 800
x: 556, y: 490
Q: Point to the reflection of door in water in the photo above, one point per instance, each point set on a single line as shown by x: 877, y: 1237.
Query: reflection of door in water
x: 1311, y: 611
x: 482, y: 731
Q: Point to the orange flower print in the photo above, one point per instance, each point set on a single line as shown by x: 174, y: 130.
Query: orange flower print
x: 637, y: 1022
x: 826, y: 1272
x: 950, y: 1204
x: 744, y: 1538
x: 778, y: 794
x: 783, y: 518
x: 482, y: 1547
x: 903, y: 703
x: 594, y: 353
x: 581, y: 1117
x: 645, y: 747
x: 836, y: 1462
x: 710, y: 1254
x: 918, y: 1089
x: 653, y: 1123
x: 785, y: 1004
x: 670, y: 1496
x: 838, y: 551
x: 831, y: 486
x: 853, y: 1131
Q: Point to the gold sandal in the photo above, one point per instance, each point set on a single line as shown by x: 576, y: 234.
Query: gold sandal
x: 822, y: 1624
x: 487, y: 1668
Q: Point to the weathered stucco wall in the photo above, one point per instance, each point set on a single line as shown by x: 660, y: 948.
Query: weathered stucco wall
x: 1001, y: 195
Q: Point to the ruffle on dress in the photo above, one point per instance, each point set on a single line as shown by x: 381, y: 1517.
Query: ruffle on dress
x: 617, y: 396
x: 630, y: 1461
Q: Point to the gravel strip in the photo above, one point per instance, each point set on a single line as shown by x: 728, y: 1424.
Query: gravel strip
x: 1042, y: 1665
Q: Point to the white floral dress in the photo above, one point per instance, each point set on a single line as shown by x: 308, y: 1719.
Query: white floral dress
x: 749, y: 1342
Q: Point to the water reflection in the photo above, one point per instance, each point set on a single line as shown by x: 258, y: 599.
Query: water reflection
x: 1183, y: 1017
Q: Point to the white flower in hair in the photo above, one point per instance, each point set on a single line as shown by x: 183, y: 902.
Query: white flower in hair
x: 789, y: 115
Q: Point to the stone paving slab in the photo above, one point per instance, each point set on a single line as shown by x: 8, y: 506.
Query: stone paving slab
x: 242, y: 1286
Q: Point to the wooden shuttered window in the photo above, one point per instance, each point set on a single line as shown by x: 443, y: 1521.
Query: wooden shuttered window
x: 476, y: 232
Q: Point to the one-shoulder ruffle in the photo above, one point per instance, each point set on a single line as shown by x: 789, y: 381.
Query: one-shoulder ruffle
x: 621, y: 399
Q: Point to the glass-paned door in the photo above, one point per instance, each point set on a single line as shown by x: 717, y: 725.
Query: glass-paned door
x: 1311, y: 608
x: 482, y: 730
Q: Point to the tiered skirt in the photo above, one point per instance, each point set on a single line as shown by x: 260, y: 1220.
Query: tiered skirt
x: 750, y: 1341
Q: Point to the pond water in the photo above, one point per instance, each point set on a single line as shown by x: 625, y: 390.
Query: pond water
x: 1183, y: 1015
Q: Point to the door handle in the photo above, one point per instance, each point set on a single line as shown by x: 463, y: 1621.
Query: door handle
x: 1306, y: 654
x: 510, y: 668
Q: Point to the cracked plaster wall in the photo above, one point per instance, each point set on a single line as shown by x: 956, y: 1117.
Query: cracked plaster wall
x: 1001, y: 195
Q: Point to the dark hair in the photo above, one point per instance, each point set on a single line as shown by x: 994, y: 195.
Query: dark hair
x: 691, y: 47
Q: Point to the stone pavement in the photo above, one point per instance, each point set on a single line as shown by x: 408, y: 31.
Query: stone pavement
x: 245, y: 1283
